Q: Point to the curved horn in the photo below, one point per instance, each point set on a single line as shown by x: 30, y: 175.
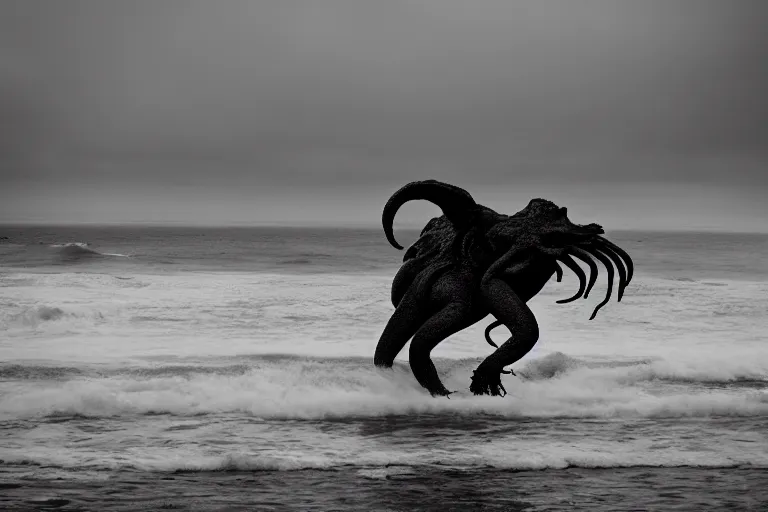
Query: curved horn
x: 593, y: 272
x: 558, y: 272
x: 619, y: 267
x: 454, y: 201
x: 576, y: 269
x: 609, y: 268
x: 618, y: 250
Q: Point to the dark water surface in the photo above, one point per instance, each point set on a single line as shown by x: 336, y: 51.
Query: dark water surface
x: 398, y: 489
x: 338, y: 250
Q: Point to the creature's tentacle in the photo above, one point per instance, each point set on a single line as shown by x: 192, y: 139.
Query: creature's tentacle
x: 619, y: 267
x: 403, y: 324
x: 559, y: 272
x: 451, y: 319
x: 454, y: 201
x: 404, y: 280
x: 618, y: 250
x: 609, y: 268
x: 586, y: 258
x: 407, y: 275
x: 492, y: 326
x: 579, y: 273
x: 422, y: 285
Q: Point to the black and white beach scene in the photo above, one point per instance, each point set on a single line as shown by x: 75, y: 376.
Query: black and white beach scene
x: 384, y: 256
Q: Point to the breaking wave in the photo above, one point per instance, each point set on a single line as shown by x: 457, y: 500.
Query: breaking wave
x: 82, y: 245
x: 34, y: 316
x: 45, y: 313
x: 37, y: 316
x: 74, y: 251
x: 279, y: 388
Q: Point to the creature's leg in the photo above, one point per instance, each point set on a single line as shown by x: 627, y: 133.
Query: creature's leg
x: 451, y: 319
x: 408, y: 273
x: 403, y: 324
x: 403, y: 280
x: 505, y: 305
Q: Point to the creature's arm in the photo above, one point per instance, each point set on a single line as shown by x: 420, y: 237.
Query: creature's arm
x: 517, y: 267
x: 512, y: 311
x: 509, y: 276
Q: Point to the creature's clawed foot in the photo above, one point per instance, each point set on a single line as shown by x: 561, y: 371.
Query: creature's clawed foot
x: 486, y: 381
x: 441, y: 391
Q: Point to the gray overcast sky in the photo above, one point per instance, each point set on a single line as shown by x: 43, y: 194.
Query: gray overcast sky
x: 640, y: 114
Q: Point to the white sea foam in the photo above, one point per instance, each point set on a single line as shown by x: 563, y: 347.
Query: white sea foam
x: 665, y: 331
x: 198, y: 314
x: 505, y: 453
x: 49, y: 319
x: 35, y: 315
x: 310, y: 388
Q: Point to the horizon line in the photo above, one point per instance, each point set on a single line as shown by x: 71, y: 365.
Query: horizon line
x: 298, y: 225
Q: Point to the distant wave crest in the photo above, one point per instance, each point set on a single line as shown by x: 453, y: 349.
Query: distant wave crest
x: 74, y: 251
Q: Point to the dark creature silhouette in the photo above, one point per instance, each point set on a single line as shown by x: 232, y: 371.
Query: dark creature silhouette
x: 471, y: 262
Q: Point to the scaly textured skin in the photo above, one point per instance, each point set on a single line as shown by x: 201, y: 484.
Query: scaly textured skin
x: 472, y: 262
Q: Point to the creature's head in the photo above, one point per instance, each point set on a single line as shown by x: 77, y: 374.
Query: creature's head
x: 548, y: 226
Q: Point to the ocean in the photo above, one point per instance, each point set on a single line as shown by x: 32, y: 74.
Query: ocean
x: 146, y: 368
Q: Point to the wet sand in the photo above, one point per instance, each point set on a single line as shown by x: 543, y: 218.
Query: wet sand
x: 389, y: 489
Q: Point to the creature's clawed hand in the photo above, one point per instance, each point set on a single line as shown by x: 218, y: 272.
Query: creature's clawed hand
x: 487, y: 381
